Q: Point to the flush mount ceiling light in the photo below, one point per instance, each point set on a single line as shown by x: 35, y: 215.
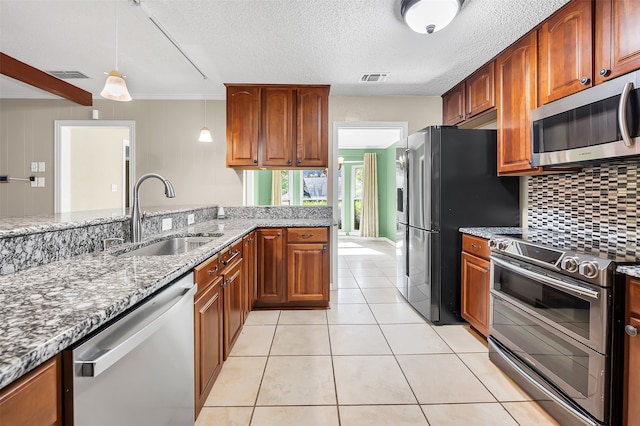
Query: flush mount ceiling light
x: 115, y: 88
x: 429, y: 16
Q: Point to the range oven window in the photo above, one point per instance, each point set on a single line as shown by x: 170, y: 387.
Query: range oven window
x: 559, y: 307
x: 542, y: 348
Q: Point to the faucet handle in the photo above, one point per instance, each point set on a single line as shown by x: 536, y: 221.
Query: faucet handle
x: 107, y: 243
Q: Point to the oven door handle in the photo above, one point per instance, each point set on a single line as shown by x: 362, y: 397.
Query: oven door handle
x: 547, y: 280
x: 584, y: 419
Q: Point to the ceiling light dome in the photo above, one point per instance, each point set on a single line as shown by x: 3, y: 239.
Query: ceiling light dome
x: 429, y: 16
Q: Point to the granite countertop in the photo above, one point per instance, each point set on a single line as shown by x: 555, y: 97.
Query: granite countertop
x: 45, y: 309
x: 488, y: 232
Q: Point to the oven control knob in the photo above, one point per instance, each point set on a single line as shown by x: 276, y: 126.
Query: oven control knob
x: 589, y: 269
x: 493, y: 244
x: 503, y: 244
x: 570, y: 264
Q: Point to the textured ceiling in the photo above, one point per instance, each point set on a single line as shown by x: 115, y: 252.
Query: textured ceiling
x: 257, y: 41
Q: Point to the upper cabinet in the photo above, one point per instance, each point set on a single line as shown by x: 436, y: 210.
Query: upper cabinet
x: 277, y: 126
x: 516, y: 89
x: 472, y: 97
x: 617, y: 38
x: 565, y: 52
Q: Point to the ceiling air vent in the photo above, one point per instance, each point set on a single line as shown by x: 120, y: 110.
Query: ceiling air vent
x: 67, y: 74
x: 374, y: 77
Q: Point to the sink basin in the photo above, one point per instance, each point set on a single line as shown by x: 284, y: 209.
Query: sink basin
x: 175, y: 245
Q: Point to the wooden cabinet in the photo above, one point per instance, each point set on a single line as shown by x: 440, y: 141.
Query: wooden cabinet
x: 470, y: 98
x: 208, y: 339
x: 476, y: 282
x: 565, y: 43
x: 270, y: 287
x: 249, y: 262
x: 516, y: 88
x: 243, y: 120
x: 234, y: 304
x: 632, y: 354
x: 617, y: 38
x: 308, y: 265
x: 277, y: 126
x: 34, y: 399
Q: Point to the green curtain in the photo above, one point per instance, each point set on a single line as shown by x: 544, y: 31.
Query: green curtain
x: 276, y: 188
x: 369, y: 220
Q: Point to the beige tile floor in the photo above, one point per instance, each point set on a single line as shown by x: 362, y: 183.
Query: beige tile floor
x: 370, y: 360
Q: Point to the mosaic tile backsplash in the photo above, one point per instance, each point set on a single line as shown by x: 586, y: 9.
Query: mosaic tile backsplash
x: 597, y: 207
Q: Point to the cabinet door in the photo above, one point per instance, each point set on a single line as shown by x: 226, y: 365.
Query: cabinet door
x: 270, y: 266
x: 308, y: 272
x: 475, y: 292
x: 277, y: 127
x: 632, y: 410
x: 34, y: 399
x: 617, y: 45
x: 249, y: 261
x: 565, y: 52
x: 453, y: 107
x: 233, y: 305
x: 243, y: 118
x: 516, y: 94
x: 312, y: 118
x: 480, y: 91
x: 208, y: 321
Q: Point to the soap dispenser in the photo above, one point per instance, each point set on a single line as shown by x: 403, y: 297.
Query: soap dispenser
x: 220, y: 212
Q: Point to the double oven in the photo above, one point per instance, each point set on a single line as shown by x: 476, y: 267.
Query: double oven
x: 554, y: 316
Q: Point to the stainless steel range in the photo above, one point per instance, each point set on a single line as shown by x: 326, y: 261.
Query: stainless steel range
x: 556, y: 324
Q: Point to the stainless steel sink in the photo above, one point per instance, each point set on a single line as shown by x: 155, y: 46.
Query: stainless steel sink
x: 175, y: 245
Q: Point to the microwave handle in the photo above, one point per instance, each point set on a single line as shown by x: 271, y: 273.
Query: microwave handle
x: 622, y: 114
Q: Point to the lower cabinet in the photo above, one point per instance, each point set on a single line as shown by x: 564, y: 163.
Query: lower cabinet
x: 249, y: 262
x: 34, y: 399
x: 234, y: 304
x: 270, y: 267
x: 632, y: 354
x: 476, y: 282
x: 208, y: 329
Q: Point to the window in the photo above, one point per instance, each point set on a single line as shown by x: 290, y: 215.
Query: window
x: 357, y: 174
x: 286, y: 177
x: 314, y: 187
x: 340, y: 198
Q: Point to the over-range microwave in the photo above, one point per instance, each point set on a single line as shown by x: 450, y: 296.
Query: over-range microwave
x: 597, y: 123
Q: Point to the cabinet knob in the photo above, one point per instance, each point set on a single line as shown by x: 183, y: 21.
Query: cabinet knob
x: 324, y: 248
x: 255, y: 161
x: 461, y: 116
x: 299, y: 161
x: 288, y: 161
x: 631, y: 330
x: 279, y: 234
x: 605, y: 72
x: 585, y: 80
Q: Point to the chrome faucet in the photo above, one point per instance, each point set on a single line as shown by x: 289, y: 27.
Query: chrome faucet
x: 136, y: 216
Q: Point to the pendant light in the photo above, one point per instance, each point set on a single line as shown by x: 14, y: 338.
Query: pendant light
x: 205, y: 134
x: 115, y: 88
x: 429, y: 16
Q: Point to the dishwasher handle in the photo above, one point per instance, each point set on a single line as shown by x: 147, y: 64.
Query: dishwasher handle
x: 95, y: 366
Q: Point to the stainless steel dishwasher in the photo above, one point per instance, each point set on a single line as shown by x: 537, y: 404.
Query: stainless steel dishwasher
x: 139, y: 370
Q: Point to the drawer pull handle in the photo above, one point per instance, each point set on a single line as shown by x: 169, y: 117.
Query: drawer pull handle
x: 228, y: 261
x: 306, y: 235
x: 213, y: 270
x: 631, y: 330
x: 475, y: 247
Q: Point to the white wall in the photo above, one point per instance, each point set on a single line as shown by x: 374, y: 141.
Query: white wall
x: 166, y: 143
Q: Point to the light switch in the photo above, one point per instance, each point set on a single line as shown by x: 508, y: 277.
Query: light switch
x: 34, y: 166
x: 40, y: 182
x: 41, y: 166
x: 167, y: 224
x: 114, y: 187
x: 191, y: 219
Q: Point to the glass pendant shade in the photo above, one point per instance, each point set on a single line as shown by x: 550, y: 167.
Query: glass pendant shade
x: 429, y: 16
x: 205, y: 135
x: 115, y: 88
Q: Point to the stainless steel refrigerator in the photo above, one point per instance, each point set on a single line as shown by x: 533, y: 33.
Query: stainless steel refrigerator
x: 446, y: 178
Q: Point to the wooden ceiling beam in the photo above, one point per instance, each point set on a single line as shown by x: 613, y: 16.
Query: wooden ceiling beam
x: 25, y: 73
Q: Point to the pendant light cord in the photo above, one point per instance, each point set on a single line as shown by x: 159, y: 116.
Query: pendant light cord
x: 204, y: 95
x: 116, y: 1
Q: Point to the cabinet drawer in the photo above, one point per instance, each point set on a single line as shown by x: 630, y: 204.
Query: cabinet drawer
x: 230, y: 254
x: 307, y: 235
x: 634, y: 295
x: 206, y: 272
x: 476, y: 246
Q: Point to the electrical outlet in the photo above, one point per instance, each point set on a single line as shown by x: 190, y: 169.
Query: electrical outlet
x: 167, y: 224
x: 191, y: 219
x: 40, y: 181
x: 34, y: 166
x: 4, y: 179
x: 41, y: 166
